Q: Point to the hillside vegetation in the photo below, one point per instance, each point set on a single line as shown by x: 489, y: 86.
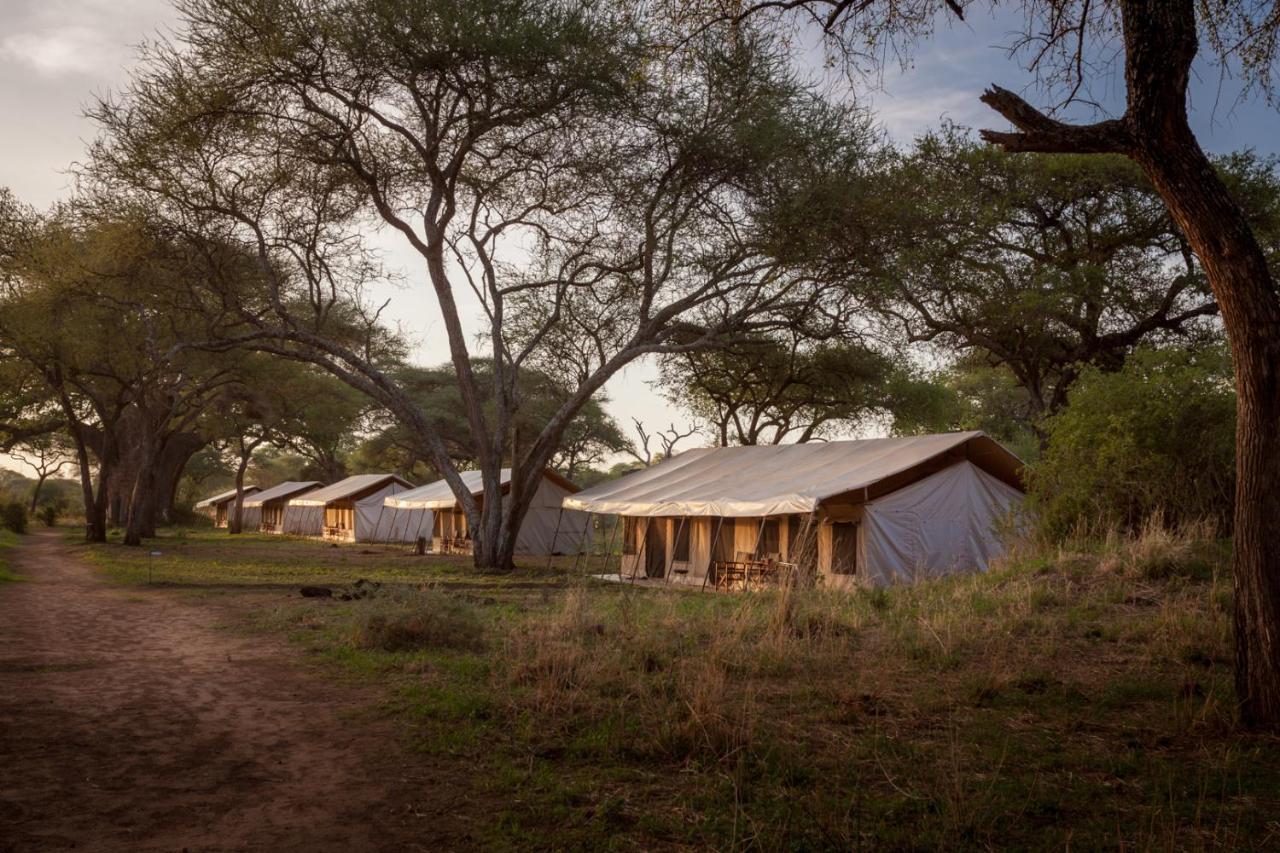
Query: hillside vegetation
x: 1077, y: 696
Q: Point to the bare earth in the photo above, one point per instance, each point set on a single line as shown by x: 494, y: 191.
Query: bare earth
x: 130, y: 721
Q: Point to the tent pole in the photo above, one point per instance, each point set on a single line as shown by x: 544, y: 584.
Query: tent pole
x: 577, y: 556
x: 711, y: 552
x: 676, y: 541
x: 608, y: 553
x: 421, y: 519
x: 755, y: 551
x: 643, y: 542
x: 552, y: 552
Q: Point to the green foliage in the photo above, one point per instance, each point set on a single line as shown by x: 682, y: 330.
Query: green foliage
x: 772, y: 389
x: 973, y: 394
x: 1157, y: 436
x: 13, y: 517
x: 48, y: 515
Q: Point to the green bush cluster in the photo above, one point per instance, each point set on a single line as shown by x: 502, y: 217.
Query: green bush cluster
x: 1155, y: 438
x: 13, y: 517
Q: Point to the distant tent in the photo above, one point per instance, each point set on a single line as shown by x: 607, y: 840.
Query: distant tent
x: 538, y: 535
x: 869, y: 512
x: 273, y: 505
x: 352, y: 510
x: 220, y: 506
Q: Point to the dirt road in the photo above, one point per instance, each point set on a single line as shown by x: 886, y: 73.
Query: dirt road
x: 130, y: 721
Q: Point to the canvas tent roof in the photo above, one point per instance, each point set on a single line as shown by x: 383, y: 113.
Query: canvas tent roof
x: 438, y: 495
x: 225, y: 496
x: 782, y: 479
x: 281, y: 492
x: 347, y: 488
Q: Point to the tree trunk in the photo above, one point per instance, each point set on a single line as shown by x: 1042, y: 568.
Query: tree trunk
x: 235, y: 519
x: 136, y: 523
x: 35, y: 495
x: 1236, y: 269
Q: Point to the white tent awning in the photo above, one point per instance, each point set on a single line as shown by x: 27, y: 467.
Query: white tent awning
x: 774, y: 479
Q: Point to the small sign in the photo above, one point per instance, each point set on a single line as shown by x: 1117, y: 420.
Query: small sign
x: 155, y: 553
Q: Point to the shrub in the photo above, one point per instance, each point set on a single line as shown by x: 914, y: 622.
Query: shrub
x: 13, y: 517
x: 403, y: 622
x: 1156, y: 437
x: 48, y: 514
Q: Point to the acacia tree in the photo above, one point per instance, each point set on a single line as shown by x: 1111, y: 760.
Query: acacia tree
x: 774, y: 389
x: 1045, y: 265
x: 46, y: 456
x: 1158, y: 41
x: 598, y: 202
x: 91, y: 308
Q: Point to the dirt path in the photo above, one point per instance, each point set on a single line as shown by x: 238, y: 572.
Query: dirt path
x: 130, y: 721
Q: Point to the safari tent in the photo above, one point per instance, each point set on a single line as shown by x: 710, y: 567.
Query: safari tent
x: 870, y: 512
x: 351, y: 510
x: 546, y: 529
x: 220, y: 506
x: 273, y: 507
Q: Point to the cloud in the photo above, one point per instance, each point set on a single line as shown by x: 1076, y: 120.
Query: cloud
x: 57, y: 38
x: 69, y: 50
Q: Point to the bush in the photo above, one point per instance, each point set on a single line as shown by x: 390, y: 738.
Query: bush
x: 13, y: 517
x: 1156, y: 437
x: 48, y: 514
x: 405, y: 622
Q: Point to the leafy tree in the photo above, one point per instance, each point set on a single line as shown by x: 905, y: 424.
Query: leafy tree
x: 1044, y: 264
x: 1157, y: 436
x: 46, y: 455
x: 589, y: 439
x: 648, y: 197
x: 768, y: 390
x: 972, y: 394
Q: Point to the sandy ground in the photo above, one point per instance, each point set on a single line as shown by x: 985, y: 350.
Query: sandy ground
x: 130, y: 721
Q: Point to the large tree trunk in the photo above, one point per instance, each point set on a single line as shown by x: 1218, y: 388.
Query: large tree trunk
x: 1161, y: 40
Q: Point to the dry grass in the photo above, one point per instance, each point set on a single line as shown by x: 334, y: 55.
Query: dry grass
x: 1076, y: 696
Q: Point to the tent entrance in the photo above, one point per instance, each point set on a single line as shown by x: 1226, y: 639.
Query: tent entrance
x: 844, y: 548
x: 655, y: 548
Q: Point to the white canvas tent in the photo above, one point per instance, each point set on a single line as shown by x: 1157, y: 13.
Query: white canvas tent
x: 273, y: 505
x: 352, y: 510
x: 873, y: 512
x: 220, y: 507
x: 546, y: 528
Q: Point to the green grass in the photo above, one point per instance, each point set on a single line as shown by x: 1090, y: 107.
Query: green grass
x: 8, y: 541
x: 1077, y: 697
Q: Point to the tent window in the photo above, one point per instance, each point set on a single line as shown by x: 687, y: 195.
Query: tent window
x: 770, y: 537
x: 681, y: 551
x: 630, y: 535
x: 844, y: 548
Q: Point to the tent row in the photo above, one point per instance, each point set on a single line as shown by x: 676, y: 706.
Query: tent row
x: 870, y: 512
x: 387, y: 508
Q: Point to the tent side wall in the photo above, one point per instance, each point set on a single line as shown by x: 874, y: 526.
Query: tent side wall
x: 539, y: 536
x: 943, y: 524
x: 303, y: 520
x: 377, y: 522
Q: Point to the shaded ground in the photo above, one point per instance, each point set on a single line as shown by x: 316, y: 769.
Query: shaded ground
x: 130, y: 721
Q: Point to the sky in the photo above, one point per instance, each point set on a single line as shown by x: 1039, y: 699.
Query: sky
x: 55, y: 55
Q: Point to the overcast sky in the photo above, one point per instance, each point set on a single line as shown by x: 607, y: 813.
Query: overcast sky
x: 55, y: 54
